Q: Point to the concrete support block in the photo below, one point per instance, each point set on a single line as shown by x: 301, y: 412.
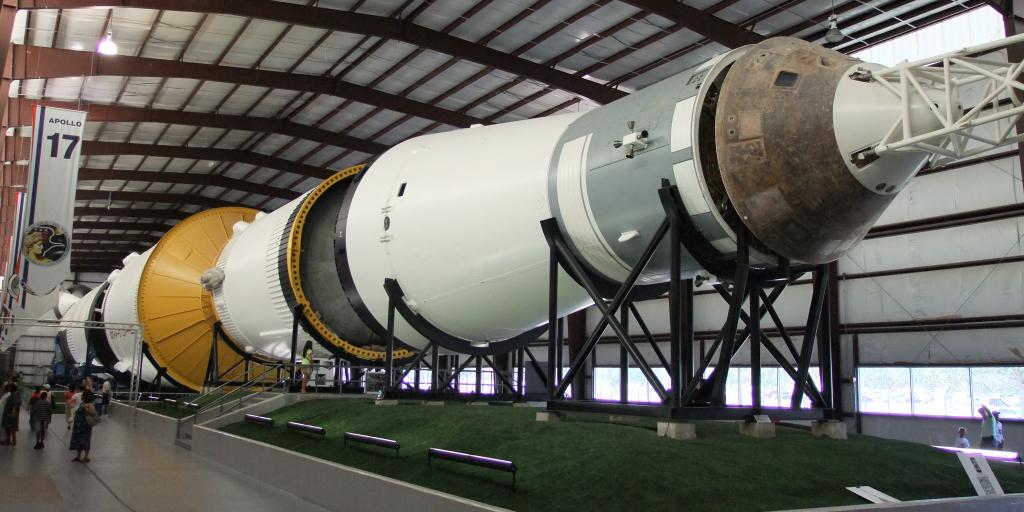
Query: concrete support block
x: 831, y: 428
x: 550, y: 416
x: 758, y: 430
x: 479, y: 403
x: 386, y: 402
x: 676, y: 430
x: 632, y: 421
x: 434, y: 402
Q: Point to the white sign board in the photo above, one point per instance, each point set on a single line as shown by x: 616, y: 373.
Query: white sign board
x: 978, y: 470
x: 43, y: 244
x: 871, y: 494
x: 762, y: 418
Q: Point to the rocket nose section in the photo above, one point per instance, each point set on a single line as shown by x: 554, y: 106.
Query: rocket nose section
x: 787, y: 177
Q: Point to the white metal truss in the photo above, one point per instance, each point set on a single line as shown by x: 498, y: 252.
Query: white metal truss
x: 1000, y: 106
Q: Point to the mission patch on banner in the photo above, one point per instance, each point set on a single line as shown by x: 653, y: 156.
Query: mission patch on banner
x: 45, y: 244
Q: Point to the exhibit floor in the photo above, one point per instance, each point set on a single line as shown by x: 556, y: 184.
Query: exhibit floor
x: 129, y: 472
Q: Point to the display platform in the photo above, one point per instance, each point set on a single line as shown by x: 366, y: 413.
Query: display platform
x: 587, y: 463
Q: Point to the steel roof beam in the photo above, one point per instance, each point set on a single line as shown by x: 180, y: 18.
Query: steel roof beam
x: 89, y: 174
x: 155, y: 227
x: 22, y: 116
x: 118, y: 237
x: 221, y: 155
x: 116, y: 251
x: 93, y: 148
x: 150, y: 197
x: 701, y: 22
x: 130, y: 213
x: 42, y: 62
x: 399, y: 30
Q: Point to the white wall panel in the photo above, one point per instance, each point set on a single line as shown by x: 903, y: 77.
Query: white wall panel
x: 973, y: 291
x: 996, y: 239
x: 948, y: 347
x: 969, y: 188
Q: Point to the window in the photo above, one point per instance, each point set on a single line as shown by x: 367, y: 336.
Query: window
x: 973, y: 28
x: 884, y: 390
x: 776, y: 386
x: 941, y: 391
x: 410, y: 379
x: 1000, y: 388
x: 606, y: 383
x: 467, y: 381
x: 640, y: 391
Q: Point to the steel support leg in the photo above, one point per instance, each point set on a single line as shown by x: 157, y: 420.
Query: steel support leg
x: 552, y: 380
x: 292, y: 376
x: 389, y: 356
x: 755, y: 350
x: 731, y: 322
x: 813, y: 318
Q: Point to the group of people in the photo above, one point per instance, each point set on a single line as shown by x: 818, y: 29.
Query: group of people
x: 83, y: 408
x: 991, y: 431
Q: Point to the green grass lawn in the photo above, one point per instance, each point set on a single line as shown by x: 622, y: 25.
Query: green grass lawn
x: 583, y: 464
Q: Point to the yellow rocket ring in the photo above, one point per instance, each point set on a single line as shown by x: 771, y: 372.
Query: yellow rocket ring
x: 294, y: 254
x: 176, y: 314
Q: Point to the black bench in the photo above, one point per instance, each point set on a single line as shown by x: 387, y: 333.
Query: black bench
x: 260, y: 420
x: 475, y: 460
x: 309, y: 429
x: 390, y: 444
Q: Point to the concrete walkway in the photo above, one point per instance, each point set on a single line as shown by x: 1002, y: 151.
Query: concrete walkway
x: 128, y: 472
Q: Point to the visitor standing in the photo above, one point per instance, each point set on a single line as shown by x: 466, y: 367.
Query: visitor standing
x: 105, y: 394
x: 999, y: 430
x: 5, y: 394
x: 988, y: 428
x: 39, y: 418
x: 961, y: 440
x: 72, y: 399
x: 81, y: 431
x: 10, y: 415
x: 307, y: 363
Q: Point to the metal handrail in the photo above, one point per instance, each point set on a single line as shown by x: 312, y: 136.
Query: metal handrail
x: 224, y: 398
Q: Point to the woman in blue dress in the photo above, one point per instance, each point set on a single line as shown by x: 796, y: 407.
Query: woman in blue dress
x: 81, y: 429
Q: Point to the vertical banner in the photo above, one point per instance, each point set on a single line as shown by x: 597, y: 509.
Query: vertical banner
x: 44, y: 241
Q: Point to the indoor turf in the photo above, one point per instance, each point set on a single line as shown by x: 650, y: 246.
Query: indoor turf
x: 584, y: 464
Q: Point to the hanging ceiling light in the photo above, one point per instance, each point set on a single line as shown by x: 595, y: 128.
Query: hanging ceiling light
x: 107, y: 46
x: 834, y: 35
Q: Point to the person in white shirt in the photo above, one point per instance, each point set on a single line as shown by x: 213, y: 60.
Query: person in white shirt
x: 999, y: 430
x: 71, y: 405
x: 961, y: 441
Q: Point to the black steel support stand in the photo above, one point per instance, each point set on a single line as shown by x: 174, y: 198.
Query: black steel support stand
x: 520, y: 367
x: 755, y: 351
x: 552, y: 381
x: 296, y: 313
x: 690, y: 395
x: 389, y: 361
x: 212, y: 374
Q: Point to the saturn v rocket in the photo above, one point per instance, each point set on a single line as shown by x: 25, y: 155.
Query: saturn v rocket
x: 765, y: 138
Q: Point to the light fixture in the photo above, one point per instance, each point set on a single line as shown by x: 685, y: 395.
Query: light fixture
x: 107, y: 46
x: 834, y: 35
